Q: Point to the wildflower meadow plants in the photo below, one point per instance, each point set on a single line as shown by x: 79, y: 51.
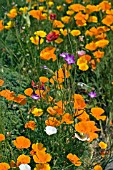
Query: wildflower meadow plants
x: 56, y: 85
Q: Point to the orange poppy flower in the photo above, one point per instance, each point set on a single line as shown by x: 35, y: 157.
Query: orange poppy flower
x: 81, y: 23
x: 28, y: 91
x: 28, y: 1
x: 79, y: 102
x: 81, y: 60
x: 98, y: 54
x: 39, y: 92
x: 108, y: 20
x: 67, y: 118
x: 68, y: 1
x: 12, y: 164
x: 56, y: 110
x: 51, y: 80
x: 58, y: 79
x: 4, y: 166
x: 1, y: 25
x: 42, y: 167
x: 88, y: 128
x: 2, y: 137
x: 48, y: 53
x: 91, y: 32
x: 59, y: 103
x: 81, y: 16
x: 102, y: 43
x: 101, y: 36
x: 65, y: 19
x: 70, y: 12
x: 91, y: 46
x: 105, y: 5
x: 38, y: 147
x: 102, y: 29
x: 97, y: 112
x: 98, y: 60
x: 91, y: 8
x: 21, y: 99
x: 93, y: 19
x: 51, y: 111
x: 76, y: 7
x: 41, y: 0
x: 23, y: 159
x: 61, y: 74
x: 86, y: 57
x: 42, y: 157
x: 59, y: 110
x: 64, y: 32
x: 58, y: 24
x: 81, y: 115
x: 31, y: 125
x: 9, y: 95
x: 37, y: 14
x: 93, y: 64
x: 21, y: 142
x: 52, y: 121
x: 110, y: 12
x: 12, y: 13
x: 60, y: 107
x: 74, y: 159
x: 98, y: 167
x: 43, y: 79
x: 50, y: 99
x: 111, y: 27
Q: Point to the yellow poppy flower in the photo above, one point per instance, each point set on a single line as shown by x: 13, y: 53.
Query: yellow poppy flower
x: 59, y: 40
x: 75, y: 32
x: 102, y: 145
x: 40, y: 33
x: 36, y: 40
x: 37, y: 112
x: 9, y: 25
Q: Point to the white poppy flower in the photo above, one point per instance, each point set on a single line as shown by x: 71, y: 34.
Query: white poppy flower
x: 50, y: 130
x: 24, y: 167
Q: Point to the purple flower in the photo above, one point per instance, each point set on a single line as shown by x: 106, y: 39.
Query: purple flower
x: 63, y: 54
x: 35, y: 96
x: 70, y: 59
x: 45, y: 67
x: 92, y: 94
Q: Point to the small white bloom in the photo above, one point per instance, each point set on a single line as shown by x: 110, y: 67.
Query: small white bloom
x: 24, y: 167
x: 84, y: 138
x: 83, y: 85
x: 50, y: 130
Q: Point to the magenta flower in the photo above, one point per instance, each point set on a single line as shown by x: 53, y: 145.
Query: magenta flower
x: 92, y: 94
x: 70, y: 59
x: 35, y: 96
